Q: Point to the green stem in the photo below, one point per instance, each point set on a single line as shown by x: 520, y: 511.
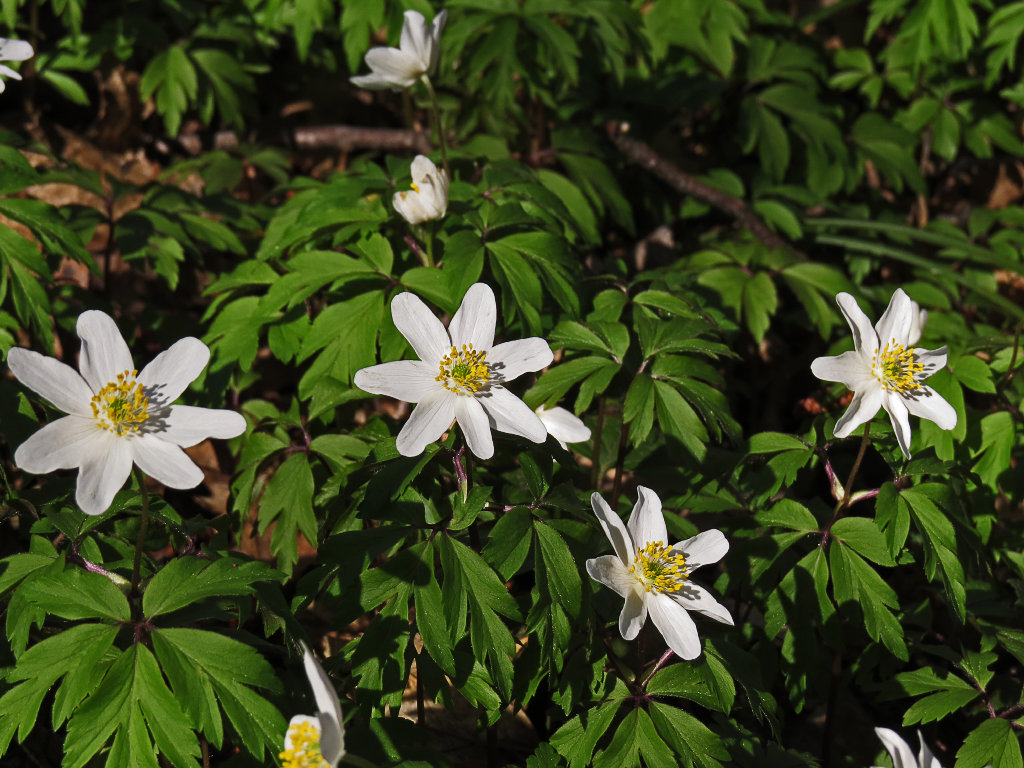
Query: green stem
x: 428, y: 238
x: 140, y: 540
x: 436, y: 109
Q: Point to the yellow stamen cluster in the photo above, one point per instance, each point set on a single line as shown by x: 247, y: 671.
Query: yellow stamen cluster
x: 121, y: 406
x: 305, y: 749
x: 657, y: 568
x: 464, y: 371
x: 896, y: 368
x: 415, y: 187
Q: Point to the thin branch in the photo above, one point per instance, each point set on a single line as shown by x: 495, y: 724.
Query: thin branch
x: 341, y: 137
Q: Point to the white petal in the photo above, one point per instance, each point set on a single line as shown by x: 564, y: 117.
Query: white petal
x: 15, y: 50
x: 703, y: 549
x: 408, y: 380
x: 6, y: 71
x: 165, y: 462
x: 435, y: 35
x: 187, y: 425
x: 850, y: 368
x: 104, y: 353
x: 332, y: 733
x: 416, y: 40
x: 102, y: 474
x: 170, y: 372
x: 900, y: 418
x: 864, y: 338
x: 507, y: 413
x: 51, y: 379
x: 926, y: 759
x: 929, y: 404
x: 613, y: 529
x: 427, y: 423
x: 475, y: 425
x: 474, y: 322
x: 391, y: 67
x: 563, y: 426
x: 646, y: 522
x: 895, y: 323
x: 694, y: 597
x: 374, y: 82
x: 610, y: 571
x: 897, y: 748
x: 514, y: 358
x: 918, y: 319
x: 675, y: 625
x: 423, y: 331
x: 633, y: 614
x: 422, y: 167
x: 863, y: 407
x: 412, y: 207
x: 61, y: 444
x: 932, y: 359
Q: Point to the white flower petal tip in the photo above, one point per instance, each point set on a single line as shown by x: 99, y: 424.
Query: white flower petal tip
x: 427, y: 198
x: 563, y: 426
x: 885, y: 370
x: 309, y: 738
x: 118, y: 417
x: 13, y: 50
x: 460, y: 375
x: 901, y: 753
x: 654, y: 578
x: 417, y: 54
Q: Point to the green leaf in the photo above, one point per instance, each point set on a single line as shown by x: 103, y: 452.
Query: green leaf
x: 973, y: 373
x: 994, y: 743
x: 863, y: 536
x: 187, y: 580
x: 430, y: 618
x: 941, y: 552
x: 705, y: 681
x: 689, y: 738
x: 578, y: 738
x: 77, y: 594
x: 560, y: 570
x: 288, y: 501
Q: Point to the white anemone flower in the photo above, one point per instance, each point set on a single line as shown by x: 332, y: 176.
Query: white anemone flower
x: 901, y: 754
x: 315, y: 741
x: 653, y: 577
x: 885, y: 370
x: 429, y: 197
x: 415, y: 56
x: 563, y: 426
x: 118, y: 416
x: 13, y: 50
x: 460, y: 375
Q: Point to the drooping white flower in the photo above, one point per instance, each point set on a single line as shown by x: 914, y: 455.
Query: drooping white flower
x: 13, y: 50
x: 901, y: 754
x: 460, y: 375
x: 429, y: 197
x: 315, y: 741
x: 885, y: 370
x: 563, y: 426
x: 117, y: 415
x: 415, y: 56
x: 653, y: 577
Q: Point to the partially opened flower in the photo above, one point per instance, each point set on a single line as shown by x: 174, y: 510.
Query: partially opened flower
x: 12, y: 50
x: 563, y: 426
x: 315, y: 741
x: 429, y: 197
x: 901, y: 754
x: 117, y: 415
x: 885, y: 371
x: 653, y: 577
x: 460, y: 376
x: 415, y: 56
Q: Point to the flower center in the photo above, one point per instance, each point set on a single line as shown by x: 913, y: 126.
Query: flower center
x: 415, y: 187
x: 657, y: 568
x: 305, y: 749
x: 896, y: 368
x: 121, y: 406
x: 464, y: 371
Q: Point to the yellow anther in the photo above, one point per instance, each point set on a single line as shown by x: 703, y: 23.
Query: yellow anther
x: 415, y: 187
x: 465, y: 371
x: 121, y: 406
x: 305, y: 749
x: 657, y: 568
x: 896, y: 368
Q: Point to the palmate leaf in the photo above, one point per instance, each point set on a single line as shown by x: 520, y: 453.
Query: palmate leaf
x: 186, y: 580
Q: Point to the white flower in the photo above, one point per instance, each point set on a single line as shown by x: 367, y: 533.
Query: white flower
x: 429, y: 197
x: 900, y: 752
x: 563, y: 426
x: 654, y: 577
x: 315, y: 741
x: 460, y: 376
x: 117, y: 415
x: 884, y: 370
x: 13, y: 50
x: 415, y: 56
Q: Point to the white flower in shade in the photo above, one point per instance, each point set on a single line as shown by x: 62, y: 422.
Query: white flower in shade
x: 118, y: 416
x: 563, y: 426
x: 429, y: 197
x: 654, y: 577
x: 12, y: 50
x: 885, y: 370
x: 902, y: 756
x: 460, y: 375
x: 315, y: 741
x: 415, y: 56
